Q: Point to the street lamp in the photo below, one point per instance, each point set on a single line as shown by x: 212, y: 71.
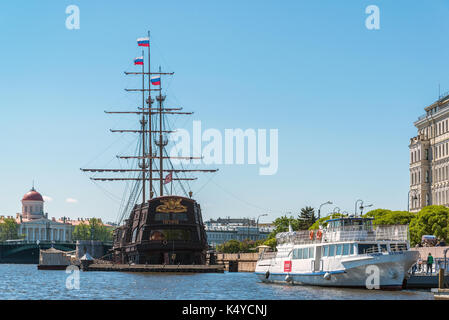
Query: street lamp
x: 257, y: 223
x: 335, y: 210
x: 355, y: 207
x: 319, y: 209
x: 413, y: 198
x: 363, y: 207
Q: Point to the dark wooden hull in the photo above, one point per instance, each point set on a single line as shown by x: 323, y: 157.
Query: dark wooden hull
x: 163, y: 231
x: 51, y: 267
x: 157, y: 268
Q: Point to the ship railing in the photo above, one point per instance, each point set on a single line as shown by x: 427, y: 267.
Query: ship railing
x: 380, y: 233
x: 370, y: 250
x: 392, y: 233
x: 267, y: 255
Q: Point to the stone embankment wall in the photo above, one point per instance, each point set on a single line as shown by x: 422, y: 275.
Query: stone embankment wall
x: 437, y: 252
x: 93, y: 247
x: 243, y: 262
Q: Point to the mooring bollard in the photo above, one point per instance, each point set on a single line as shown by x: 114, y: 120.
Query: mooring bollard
x: 441, y: 279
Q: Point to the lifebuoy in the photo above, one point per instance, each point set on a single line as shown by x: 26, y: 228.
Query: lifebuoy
x: 319, y: 234
x: 164, y: 242
x: 311, y: 234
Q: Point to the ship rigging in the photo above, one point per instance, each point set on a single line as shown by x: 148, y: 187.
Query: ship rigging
x: 161, y: 217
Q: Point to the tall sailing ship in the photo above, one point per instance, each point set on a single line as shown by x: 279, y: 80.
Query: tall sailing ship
x: 163, y: 228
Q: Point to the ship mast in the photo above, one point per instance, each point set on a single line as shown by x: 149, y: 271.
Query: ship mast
x: 150, y: 122
x: 161, y: 143
x: 147, y: 113
x: 143, y: 123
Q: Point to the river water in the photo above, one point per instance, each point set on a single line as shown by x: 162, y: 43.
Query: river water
x: 26, y: 282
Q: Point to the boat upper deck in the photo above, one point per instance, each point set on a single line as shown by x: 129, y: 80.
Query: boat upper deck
x: 346, y: 229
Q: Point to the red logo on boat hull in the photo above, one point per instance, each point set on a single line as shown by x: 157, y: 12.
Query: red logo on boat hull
x: 287, y: 266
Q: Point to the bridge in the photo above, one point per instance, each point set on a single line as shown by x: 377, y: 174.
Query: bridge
x: 27, y: 252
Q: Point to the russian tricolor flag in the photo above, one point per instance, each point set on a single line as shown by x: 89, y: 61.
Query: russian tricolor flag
x: 156, y: 81
x: 143, y: 42
x: 138, y: 61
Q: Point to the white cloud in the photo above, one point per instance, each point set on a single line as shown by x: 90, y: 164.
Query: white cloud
x: 47, y: 198
x: 71, y: 200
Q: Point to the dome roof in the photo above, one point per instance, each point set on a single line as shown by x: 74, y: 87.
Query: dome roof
x: 33, y: 195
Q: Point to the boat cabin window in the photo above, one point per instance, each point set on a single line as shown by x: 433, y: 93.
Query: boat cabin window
x: 134, y: 237
x: 344, y: 249
x: 331, y: 250
x: 303, y: 253
x: 368, y: 248
x: 297, y: 254
x: 170, y: 234
x: 339, y: 249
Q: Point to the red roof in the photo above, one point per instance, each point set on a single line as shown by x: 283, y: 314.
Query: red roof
x: 33, y: 195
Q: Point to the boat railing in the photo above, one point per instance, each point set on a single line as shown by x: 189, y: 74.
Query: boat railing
x: 370, y: 250
x: 345, y: 233
x: 267, y: 255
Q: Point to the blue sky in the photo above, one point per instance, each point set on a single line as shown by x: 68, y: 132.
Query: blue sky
x: 343, y: 97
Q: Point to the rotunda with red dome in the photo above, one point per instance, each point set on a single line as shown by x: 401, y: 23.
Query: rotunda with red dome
x: 32, y: 205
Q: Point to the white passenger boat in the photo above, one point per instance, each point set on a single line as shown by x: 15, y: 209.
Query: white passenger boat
x: 348, y: 252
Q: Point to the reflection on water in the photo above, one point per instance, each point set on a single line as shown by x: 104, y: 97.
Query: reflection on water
x: 26, y: 282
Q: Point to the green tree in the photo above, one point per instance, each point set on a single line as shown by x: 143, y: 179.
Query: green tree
x: 81, y: 232
x: 231, y: 246
x: 271, y: 243
x: 306, y: 218
x: 431, y: 220
x: 388, y: 217
x: 281, y: 225
x: 8, y: 229
x: 235, y: 246
x: 95, y: 230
